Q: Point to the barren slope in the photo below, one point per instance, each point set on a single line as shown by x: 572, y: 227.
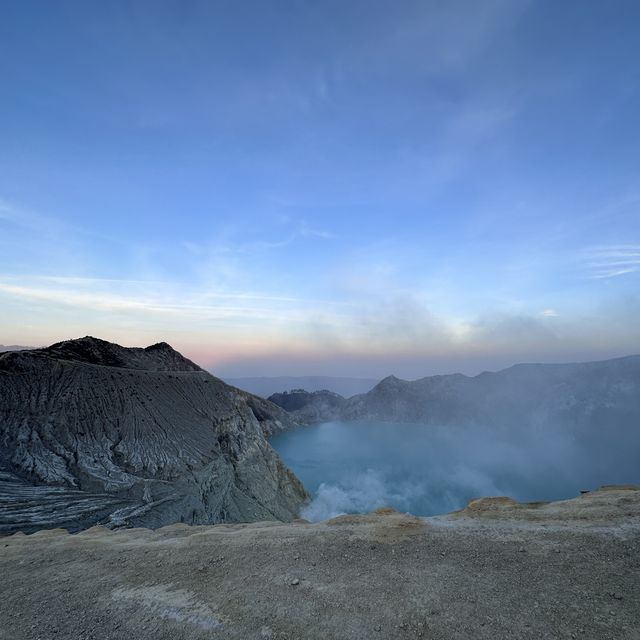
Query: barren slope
x: 495, y: 570
x: 92, y: 431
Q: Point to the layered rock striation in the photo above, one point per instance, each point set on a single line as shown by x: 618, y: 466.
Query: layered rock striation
x: 94, y: 432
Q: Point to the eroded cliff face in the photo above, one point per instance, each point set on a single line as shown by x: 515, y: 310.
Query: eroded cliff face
x: 94, y: 432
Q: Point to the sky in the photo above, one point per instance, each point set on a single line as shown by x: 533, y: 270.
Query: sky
x: 291, y: 187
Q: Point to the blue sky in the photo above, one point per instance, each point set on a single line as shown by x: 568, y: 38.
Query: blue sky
x: 348, y: 188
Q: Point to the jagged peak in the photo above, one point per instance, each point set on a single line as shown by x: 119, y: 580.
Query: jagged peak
x: 86, y: 340
x: 160, y: 346
x: 91, y: 350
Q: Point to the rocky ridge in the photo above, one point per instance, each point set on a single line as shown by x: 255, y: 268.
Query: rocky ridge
x: 584, y: 396
x: 91, y: 431
x: 581, y: 394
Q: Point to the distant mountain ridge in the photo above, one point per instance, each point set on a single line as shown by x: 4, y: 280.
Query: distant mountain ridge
x: 574, y: 391
x: 91, y: 431
x: 14, y: 347
x: 267, y: 386
x: 581, y: 395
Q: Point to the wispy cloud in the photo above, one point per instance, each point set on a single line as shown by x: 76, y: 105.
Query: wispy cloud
x: 121, y: 296
x: 307, y: 231
x: 240, y: 241
x: 614, y: 261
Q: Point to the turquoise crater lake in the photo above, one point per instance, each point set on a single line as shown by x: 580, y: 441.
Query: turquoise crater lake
x: 428, y: 470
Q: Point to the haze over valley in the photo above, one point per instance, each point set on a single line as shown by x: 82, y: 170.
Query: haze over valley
x: 532, y: 432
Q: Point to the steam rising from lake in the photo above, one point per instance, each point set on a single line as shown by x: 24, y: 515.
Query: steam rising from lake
x: 426, y: 470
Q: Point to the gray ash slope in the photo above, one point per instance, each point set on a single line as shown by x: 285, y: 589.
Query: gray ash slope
x: 94, y: 432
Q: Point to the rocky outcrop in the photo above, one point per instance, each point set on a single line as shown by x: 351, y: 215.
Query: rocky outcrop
x: 94, y: 432
x: 310, y: 407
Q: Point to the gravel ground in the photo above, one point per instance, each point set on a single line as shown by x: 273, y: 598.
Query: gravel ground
x: 494, y: 570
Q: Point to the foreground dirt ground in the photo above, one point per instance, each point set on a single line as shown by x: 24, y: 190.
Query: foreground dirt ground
x: 495, y: 570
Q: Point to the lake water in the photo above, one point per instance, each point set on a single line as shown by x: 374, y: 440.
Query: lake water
x: 426, y: 470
